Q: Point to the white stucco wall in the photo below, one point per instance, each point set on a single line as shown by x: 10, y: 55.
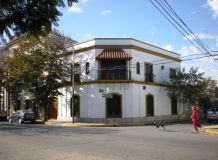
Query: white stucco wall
x: 160, y: 75
x: 93, y: 105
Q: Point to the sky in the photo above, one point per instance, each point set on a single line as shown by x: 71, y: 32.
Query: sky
x: 140, y: 20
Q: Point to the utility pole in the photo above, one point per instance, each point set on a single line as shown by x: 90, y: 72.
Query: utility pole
x: 72, y: 74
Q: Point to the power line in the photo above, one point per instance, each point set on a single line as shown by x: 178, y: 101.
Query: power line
x: 192, y: 34
x: 124, y: 66
x: 180, y: 25
x: 177, y: 25
x: 174, y: 25
x: 176, y: 15
x: 170, y: 61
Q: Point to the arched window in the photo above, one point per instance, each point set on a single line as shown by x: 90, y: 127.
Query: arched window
x: 138, y: 68
x: 87, y: 68
x: 114, y: 106
x: 150, y: 105
x: 173, y: 105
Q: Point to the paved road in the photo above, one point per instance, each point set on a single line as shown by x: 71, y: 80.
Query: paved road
x: 26, y: 141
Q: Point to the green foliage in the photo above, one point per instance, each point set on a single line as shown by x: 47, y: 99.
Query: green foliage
x: 29, y: 16
x: 205, y: 103
x: 190, y: 86
x: 40, y: 64
x: 1, y: 84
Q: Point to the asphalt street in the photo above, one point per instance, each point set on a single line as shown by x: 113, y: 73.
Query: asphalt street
x: 34, y: 142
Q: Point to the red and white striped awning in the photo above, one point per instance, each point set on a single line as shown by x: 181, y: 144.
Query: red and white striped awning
x: 109, y: 54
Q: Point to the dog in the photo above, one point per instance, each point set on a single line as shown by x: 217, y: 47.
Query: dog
x: 159, y: 124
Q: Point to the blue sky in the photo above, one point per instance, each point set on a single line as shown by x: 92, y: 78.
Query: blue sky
x: 139, y: 19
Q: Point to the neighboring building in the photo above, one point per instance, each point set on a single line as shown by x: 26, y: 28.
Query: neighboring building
x: 19, y: 97
x: 3, y: 92
x: 216, y: 95
x: 131, y: 72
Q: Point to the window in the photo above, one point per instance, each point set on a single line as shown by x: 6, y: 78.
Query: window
x: 172, y: 72
x: 77, y: 73
x: 173, y: 105
x: 87, y: 68
x: 150, y: 105
x: 113, y: 70
x: 138, y: 68
x: 148, y: 72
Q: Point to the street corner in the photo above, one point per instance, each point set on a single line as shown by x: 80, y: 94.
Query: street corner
x: 211, y: 130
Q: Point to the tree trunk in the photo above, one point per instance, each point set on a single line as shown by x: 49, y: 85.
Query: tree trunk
x: 45, y: 114
x: 178, y: 111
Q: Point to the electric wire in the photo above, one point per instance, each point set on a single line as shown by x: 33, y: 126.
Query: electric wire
x: 176, y: 15
x: 134, y: 65
x: 175, y: 25
x: 180, y: 19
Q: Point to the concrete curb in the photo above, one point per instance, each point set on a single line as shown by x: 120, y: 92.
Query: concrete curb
x: 88, y: 125
x: 79, y: 124
x: 210, y: 130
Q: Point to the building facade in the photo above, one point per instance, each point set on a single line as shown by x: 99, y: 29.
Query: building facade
x: 119, y: 80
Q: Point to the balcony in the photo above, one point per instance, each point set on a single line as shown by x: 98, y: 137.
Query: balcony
x: 113, y: 75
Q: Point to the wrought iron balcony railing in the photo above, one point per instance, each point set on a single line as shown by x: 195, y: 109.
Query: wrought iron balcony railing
x: 113, y: 75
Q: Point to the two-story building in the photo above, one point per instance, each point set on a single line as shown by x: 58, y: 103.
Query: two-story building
x: 119, y: 80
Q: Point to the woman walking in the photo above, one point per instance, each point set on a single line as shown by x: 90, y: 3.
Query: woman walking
x: 195, y: 117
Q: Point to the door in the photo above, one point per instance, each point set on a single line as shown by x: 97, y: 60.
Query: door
x: 53, y: 108
x: 150, y: 105
x: 113, y: 105
x: 148, y: 72
x: 76, y: 107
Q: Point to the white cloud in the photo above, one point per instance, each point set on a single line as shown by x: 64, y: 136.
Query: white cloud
x: 206, y: 65
x: 105, y: 12
x: 154, y: 27
x: 75, y: 9
x: 217, y: 42
x: 194, y: 12
x: 200, y: 36
x: 213, y: 4
x: 169, y: 47
x: 84, y: 1
x: 88, y: 36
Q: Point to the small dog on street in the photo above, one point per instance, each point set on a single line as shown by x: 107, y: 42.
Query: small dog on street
x: 160, y: 124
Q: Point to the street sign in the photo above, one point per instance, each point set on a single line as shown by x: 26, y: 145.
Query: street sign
x: 107, y: 95
x: 106, y: 90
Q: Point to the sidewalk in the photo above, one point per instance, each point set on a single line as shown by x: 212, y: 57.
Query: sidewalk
x: 207, y: 129
x: 77, y: 124
x: 211, y: 129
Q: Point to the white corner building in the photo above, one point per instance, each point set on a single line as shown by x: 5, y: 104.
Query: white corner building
x: 119, y: 80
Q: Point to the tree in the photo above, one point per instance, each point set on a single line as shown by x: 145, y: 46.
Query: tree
x: 1, y: 85
x: 2, y: 74
x: 205, y: 103
x: 189, y: 87
x: 42, y: 66
x: 29, y: 16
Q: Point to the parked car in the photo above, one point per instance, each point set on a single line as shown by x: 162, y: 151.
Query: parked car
x: 21, y: 116
x: 3, y: 116
x: 212, y: 114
